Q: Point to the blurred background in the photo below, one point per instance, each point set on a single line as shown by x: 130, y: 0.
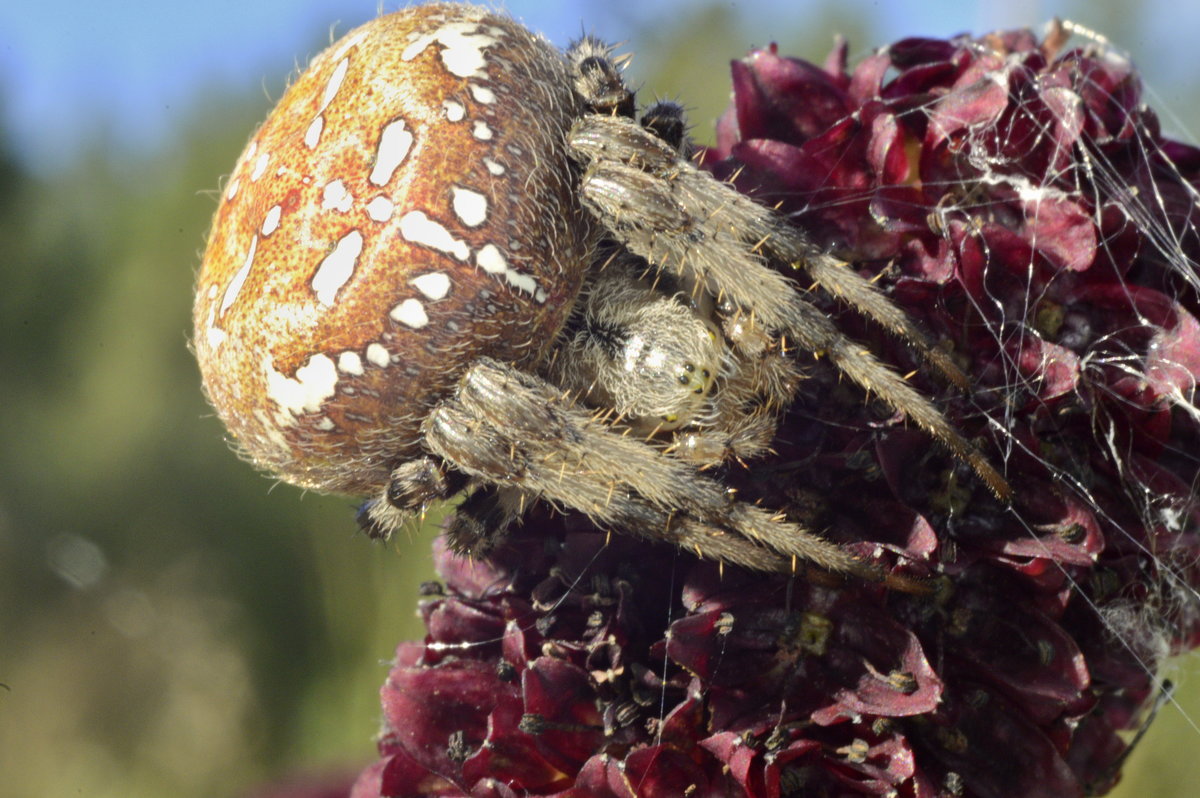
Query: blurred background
x: 172, y: 623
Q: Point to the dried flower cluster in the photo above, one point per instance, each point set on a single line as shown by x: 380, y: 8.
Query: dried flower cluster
x: 1018, y: 200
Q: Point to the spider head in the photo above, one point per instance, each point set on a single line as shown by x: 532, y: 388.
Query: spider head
x: 652, y: 356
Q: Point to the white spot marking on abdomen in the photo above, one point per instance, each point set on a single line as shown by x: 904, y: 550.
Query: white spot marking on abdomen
x: 470, y: 207
x: 394, y: 144
x: 271, y: 222
x: 418, y: 228
x: 235, y: 285
x: 381, y: 209
x: 463, y: 45
x: 314, y: 383
x: 435, y: 285
x: 337, y: 267
x: 350, y: 363
x: 335, y: 197
x: 378, y: 355
x: 410, y: 313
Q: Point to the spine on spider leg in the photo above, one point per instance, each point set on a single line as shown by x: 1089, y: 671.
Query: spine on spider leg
x: 803, y: 546
x: 564, y: 457
x: 875, y: 376
x: 838, y: 278
x: 686, y: 221
x: 511, y: 429
x: 758, y: 225
x: 762, y: 290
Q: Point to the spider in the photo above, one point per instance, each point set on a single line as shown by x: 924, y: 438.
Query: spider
x: 454, y: 258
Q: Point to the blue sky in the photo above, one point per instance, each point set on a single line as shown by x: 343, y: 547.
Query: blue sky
x: 128, y: 66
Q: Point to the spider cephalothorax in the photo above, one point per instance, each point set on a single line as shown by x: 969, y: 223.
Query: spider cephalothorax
x: 452, y: 255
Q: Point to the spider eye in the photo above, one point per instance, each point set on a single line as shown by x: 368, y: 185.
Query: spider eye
x: 684, y: 379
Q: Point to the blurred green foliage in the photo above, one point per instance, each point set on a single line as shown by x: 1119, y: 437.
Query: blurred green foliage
x: 169, y: 624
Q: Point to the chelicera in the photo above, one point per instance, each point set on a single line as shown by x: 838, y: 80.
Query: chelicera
x: 453, y: 258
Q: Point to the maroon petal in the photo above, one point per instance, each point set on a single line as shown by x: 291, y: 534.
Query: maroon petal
x: 784, y: 98
x: 370, y: 782
x: 896, y: 684
x: 969, y: 730
x: 1173, y: 362
x: 1031, y: 659
x: 978, y: 100
x: 1062, y: 231
x: 559, y: 696
x: 602, y: 777
x: 426, y: 708
x: 404, y: 777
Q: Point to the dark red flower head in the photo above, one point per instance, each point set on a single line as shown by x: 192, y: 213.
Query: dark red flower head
x: 1018, y: 200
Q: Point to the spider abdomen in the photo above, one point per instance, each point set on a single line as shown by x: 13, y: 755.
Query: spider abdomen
x: 407, y: 208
